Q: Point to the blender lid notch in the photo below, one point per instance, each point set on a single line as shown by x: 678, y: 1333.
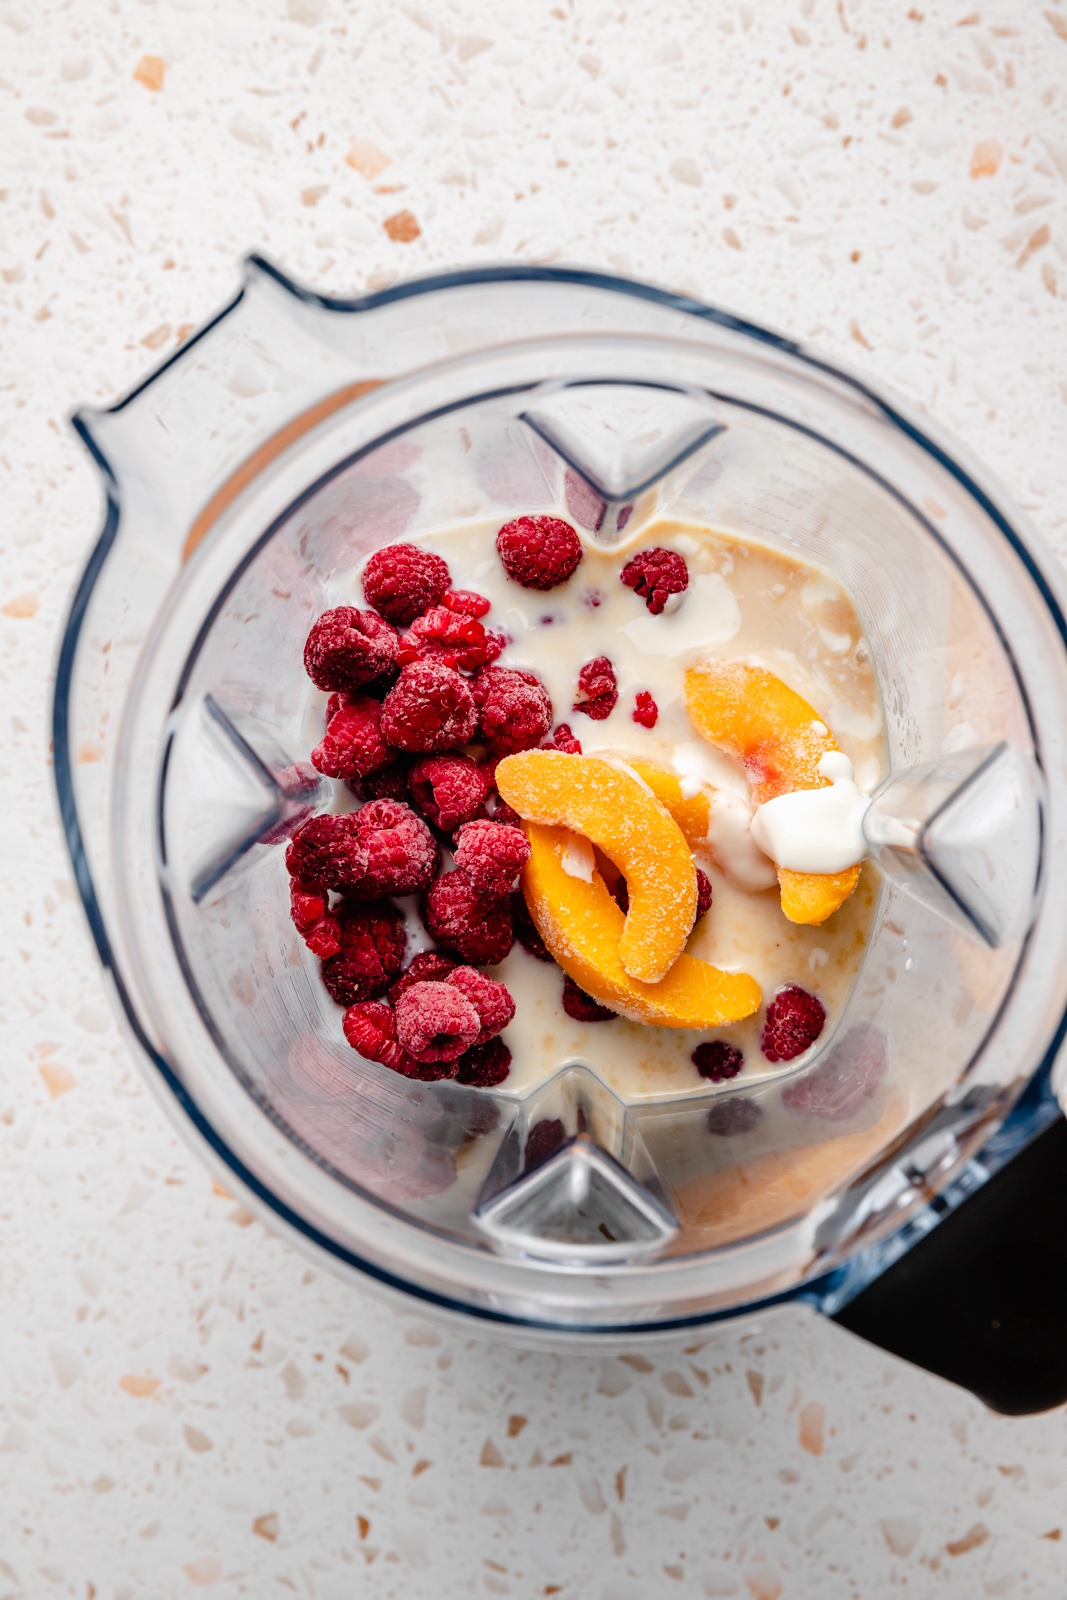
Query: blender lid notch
x: 964, y: 836
x: 621, y: 437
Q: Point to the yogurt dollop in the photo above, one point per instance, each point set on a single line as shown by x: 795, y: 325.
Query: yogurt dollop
x: 816, y: 830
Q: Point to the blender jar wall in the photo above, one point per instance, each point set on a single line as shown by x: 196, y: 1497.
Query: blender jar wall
x: 742, y: 483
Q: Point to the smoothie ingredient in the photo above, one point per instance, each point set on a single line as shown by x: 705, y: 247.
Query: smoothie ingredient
x: 403, y: 580
x: 656, y: 575
x: 539, y: 552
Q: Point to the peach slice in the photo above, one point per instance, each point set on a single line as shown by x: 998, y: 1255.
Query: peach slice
x: 613, y: 809
x: 582, y: 927
x: 779, y: 740
x: 692, y: 815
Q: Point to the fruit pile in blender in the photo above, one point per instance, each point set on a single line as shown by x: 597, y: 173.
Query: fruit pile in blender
x: 419, y: 719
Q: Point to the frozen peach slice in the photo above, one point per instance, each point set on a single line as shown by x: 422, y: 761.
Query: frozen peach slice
x: 614, y: 809
x: 693, y: 815
x: 582, y: 927
x: 779, y: 739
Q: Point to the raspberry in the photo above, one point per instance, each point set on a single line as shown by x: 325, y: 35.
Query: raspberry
x: 327, y: 852
x: 849, y: 1074
x: 373, y: 941
x: 484, y: 1065
x: 370, y: 1028
x: 539, y: 552
x: 735, y: 1115
x: 562, y: 738
x: 456, y: 639
x: 448, y: 790
x: 655, y: 575
x: 621, y: 895
x: 426, y: 967
x: 461, y: 919
x: 717, y: 1060
x: 353, y: 746
x: 491, y: 1000
x: 324, y: 939
x: 544, y: 1137
x: 389, y: 783
x: 525, y: 931
x: 516, y: 712
x: 401, y: 850
x: 581, y: 1006
x: 794, y: 1021
x: 598, y: 688
x: 492, y: 855
x: 401, y: 581
x: 430, y: 707
x: 347, y: 648
x: 583, y: 502
x: 703, y: 896
x: 313, y: 919
x: 646, y: 711
x: 435, y: 1022
x: 466, y: 601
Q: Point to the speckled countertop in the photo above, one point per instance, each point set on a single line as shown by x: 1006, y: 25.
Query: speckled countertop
x: 186, y: 1405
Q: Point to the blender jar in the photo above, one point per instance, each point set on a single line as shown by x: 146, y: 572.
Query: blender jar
x: 246, y: 479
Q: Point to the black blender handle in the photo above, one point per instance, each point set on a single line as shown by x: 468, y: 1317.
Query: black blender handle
x: 982, y: 1300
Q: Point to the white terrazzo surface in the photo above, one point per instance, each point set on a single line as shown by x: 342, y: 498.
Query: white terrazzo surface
x: 184, y: 1404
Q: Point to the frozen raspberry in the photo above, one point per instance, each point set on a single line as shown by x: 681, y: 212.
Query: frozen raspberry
x: 598, y: 689
x: 562, y: 738
x: 646, y: 711
x: 703, y: 896
x: 373, y: 941
x: 310, y: 910
x: 484, y: 1065
x: 353, y: 746
x: 491, y: 1000
x: 539, y: 552
x: 492, y: 855
x: 735, y: 1115
x: 516, y: 712
x: 435, y: 1021
x: 525, y: 931
x: 794, y: 1021
x: 401, y: 850
x: 347, y: 648
x: 581, y: 1006
x: 389, y: 783
x: 448, y: 790
x: 402, y: 581
x: 453, y: 637
x: 655, y: 575
x: 848, y: 1075
x: 430, y: 707
x: 717, y: 1060
x: 461, y: 919
x: 426, y: 967
x: 466, y: 601
x: 583, y: 502
x: 370, y: 1028
x: 323, y: 939
x: 543, y: 1138
x: 327, y: 852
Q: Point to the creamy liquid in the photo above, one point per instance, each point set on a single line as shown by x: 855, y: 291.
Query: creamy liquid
x: 745, y: 602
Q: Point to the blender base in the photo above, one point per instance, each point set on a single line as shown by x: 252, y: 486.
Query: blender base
x: 982, y: 1300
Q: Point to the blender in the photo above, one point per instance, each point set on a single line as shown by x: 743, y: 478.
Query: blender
x: 245, y: 481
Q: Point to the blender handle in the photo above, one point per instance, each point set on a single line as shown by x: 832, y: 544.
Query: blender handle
x: 982, y: 1299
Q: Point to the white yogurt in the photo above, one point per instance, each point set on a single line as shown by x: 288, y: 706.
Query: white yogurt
x: 816, y: 830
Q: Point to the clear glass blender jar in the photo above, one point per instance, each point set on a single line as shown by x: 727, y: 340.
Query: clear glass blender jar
x: 245, y: 481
